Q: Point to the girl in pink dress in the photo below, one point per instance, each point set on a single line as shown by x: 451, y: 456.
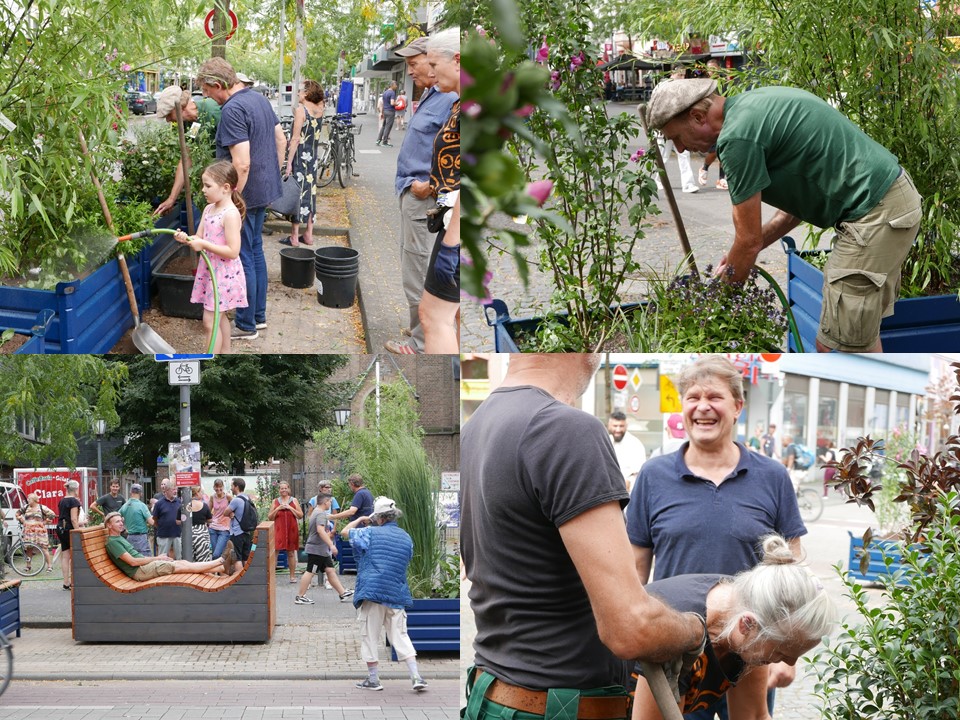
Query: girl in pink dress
x: 219, y: 236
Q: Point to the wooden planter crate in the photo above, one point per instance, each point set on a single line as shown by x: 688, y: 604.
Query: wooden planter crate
x: 10, y: 607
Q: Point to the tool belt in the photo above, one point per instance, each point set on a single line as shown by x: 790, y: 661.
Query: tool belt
x: 557, y: 704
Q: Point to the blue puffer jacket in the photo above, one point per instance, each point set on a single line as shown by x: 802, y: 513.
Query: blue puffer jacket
x: 383, y: 553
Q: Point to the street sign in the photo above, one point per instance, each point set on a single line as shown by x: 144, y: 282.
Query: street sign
x: 184, y: 372
x: 620, y: 377
x: 172, y: 358
x: 208, y: 24
x: 635, y: 404
x: 187, y: 479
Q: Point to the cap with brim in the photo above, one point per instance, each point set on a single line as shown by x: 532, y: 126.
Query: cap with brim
x: 672, y: 97
x: 243, y: 78
x: 417, y: 47
x: 135, y: 488
x: 167, y: 100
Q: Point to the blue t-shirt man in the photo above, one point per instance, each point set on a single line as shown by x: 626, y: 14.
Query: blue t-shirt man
x: 166, y: 512
x: 248, y: 117
x: 389, y: 96
x: 363, y: 502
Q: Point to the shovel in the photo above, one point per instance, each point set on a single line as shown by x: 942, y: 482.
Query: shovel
x: 145, y: 338
x: 661, y: 690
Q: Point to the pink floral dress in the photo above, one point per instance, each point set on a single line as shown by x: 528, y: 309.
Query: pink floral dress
x: 231, y: 282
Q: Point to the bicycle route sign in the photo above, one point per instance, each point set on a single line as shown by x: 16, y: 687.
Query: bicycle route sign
x: 184, y: 372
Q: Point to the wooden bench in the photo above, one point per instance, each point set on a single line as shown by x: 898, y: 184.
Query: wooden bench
x: 109, y: 606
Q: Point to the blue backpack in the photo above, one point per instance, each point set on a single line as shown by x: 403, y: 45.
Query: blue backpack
x: 804, y: 457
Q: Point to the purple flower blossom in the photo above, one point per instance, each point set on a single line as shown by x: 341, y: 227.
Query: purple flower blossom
x: 466, y: 80
x: 577, y: 60
x: 525, y: 111
x: 471, y: 108
x: 555, y: 81
x: 540, y: 190
x: 637, y: 155
x: 543, y: 54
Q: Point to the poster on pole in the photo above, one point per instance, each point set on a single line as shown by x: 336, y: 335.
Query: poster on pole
x: 184, y: 463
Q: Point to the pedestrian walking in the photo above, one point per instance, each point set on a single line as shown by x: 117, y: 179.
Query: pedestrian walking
x: 389, y: 114
x: 383, y: 551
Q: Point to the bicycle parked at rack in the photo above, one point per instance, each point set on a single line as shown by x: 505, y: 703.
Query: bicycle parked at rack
x: 340, y: 153
x: 26, y: 558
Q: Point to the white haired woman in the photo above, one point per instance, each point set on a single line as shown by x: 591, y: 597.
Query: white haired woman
x: 68, y: 519
x: 773, y: 613
x: 440, y: 303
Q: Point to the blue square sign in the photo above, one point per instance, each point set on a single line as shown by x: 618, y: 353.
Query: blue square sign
x: 173, y: 358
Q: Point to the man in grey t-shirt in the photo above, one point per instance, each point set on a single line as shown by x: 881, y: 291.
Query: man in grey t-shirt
x: 542, y: 495
x: 320, y: 551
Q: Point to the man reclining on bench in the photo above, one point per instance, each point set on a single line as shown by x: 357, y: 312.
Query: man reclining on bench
x: 140, y: 568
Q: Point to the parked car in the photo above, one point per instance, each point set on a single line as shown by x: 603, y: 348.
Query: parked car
x: 141, y: 103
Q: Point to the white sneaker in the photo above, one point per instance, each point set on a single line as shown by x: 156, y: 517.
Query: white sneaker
x: 419, y: 684
x: 302, y: 600
x: 327, y: 585
x: 691, y: 189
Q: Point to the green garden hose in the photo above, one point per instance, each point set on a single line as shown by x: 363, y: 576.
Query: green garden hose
x: 791, y: 322
x: 213, y: 277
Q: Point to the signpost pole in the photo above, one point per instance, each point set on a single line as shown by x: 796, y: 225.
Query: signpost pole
x: 186, y: 529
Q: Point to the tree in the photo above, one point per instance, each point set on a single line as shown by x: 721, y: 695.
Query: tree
x: 247, y: 408
x: 60, y: 396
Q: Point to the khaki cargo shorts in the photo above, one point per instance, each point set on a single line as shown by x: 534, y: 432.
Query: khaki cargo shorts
x: 154, y: 569
x: 861, y: 280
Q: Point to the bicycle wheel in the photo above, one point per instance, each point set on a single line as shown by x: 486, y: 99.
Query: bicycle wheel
x: 27, y: 559
x: 811, y: 504
x: 6, y: 662
x: 327, y: 167
x: 343, y: 172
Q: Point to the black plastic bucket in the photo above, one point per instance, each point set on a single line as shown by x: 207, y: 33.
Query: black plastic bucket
x: 296, y: 267
x: 336, y: 269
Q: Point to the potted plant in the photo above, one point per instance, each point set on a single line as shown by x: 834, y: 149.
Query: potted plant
x: 433, y: 623
x: 898, y: 657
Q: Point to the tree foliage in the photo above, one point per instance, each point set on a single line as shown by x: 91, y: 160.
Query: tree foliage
x: 62, y: 396
x: 247, y: 408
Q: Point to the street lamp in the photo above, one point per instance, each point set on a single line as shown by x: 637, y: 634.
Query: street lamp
x: 100, y: 428
x: 342, y: 417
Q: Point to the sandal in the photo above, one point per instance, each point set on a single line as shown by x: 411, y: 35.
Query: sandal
x: 398, y: 348
x: 66, y: 587
x: 288, y: 241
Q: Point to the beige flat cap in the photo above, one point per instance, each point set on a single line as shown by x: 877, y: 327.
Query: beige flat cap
x: 672, y: 97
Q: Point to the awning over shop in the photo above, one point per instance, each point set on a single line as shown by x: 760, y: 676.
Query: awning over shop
x: 635, y: 62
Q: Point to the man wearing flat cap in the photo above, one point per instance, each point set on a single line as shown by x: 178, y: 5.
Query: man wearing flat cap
x: 790, y: 149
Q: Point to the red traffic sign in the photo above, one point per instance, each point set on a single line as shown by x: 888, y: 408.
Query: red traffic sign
x: 187, y: 479
x: 620, y: 377
x: 208, y: 24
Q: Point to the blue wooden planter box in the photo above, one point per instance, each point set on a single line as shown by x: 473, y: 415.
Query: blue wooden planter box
x: 10, y: 607
x: 86, y: 316
x: 926, y: 324
x: 347, y: 563
x: 877, y: 569
x: 505, y: 329
x: 434, y: 625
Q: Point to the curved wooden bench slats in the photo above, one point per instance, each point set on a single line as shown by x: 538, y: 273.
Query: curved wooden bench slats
x: 184, y: 607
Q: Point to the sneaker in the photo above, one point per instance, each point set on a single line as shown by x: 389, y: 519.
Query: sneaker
x: 702, y: 176
x: 691, y: 189
x: 302, y: 600
x: 722, y: 184
x: 326, y: 585
x: 419, y: 684
x: 347, y: 594
x: 378, y: 143
x: 238, y: 334
x: 229, y: 558
x: 387, y: 145
x: 262, y: 325
x: 369, y: 684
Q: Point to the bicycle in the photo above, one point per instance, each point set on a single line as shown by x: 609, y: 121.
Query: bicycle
x: 810, y: 503
x: 26, y: 558
x: 343, y: 147
x: 6, y: 662
x: 327, y: 163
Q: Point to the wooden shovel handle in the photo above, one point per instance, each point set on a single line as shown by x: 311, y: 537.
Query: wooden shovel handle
x: 662, y: 692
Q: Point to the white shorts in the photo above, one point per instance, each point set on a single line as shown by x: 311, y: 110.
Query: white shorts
x: 372, y: 618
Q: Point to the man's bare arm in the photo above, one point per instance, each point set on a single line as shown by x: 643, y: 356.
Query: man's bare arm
x: 644, y: 561
x: 630, y: 622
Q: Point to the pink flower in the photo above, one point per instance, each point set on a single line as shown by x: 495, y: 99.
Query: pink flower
x: 576, y: 61
x: 125, y: 67
x: 466, y: 80
x: 525, y: 111
x: 540, y: 190
x: 480, y: 31
x: 555, y: 81
x: 543, y: 54
x: 637, y: 155
x: 485, y: 283
x: 471, y: 108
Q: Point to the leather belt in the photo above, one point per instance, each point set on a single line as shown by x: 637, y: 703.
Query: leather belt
x: 535, y: 702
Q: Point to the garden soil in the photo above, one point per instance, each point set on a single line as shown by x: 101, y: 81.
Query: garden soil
x: 296, y: 322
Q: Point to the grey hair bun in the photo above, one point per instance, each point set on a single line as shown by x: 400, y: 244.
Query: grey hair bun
x: 776, y: 551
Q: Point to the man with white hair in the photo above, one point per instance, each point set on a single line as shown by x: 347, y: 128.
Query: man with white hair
x: 790, y: 149
x: 383, y: 551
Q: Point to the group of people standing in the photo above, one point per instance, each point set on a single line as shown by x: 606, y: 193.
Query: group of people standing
x: 702, y: 571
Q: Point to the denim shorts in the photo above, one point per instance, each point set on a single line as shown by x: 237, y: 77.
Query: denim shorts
x: 861, y: 280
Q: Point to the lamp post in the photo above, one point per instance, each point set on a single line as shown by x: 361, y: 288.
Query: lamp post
x: 99, y: 428
x: 342, y: 417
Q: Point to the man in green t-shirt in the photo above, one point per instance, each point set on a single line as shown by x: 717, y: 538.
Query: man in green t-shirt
x: 128, y: 558
x: 790, y: 149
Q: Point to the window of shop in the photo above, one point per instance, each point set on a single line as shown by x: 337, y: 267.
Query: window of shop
x: 827, y: 415
x: 855, y: 413
x: 795, y: 407
x: 903, y: 411
x: 881, y: 413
